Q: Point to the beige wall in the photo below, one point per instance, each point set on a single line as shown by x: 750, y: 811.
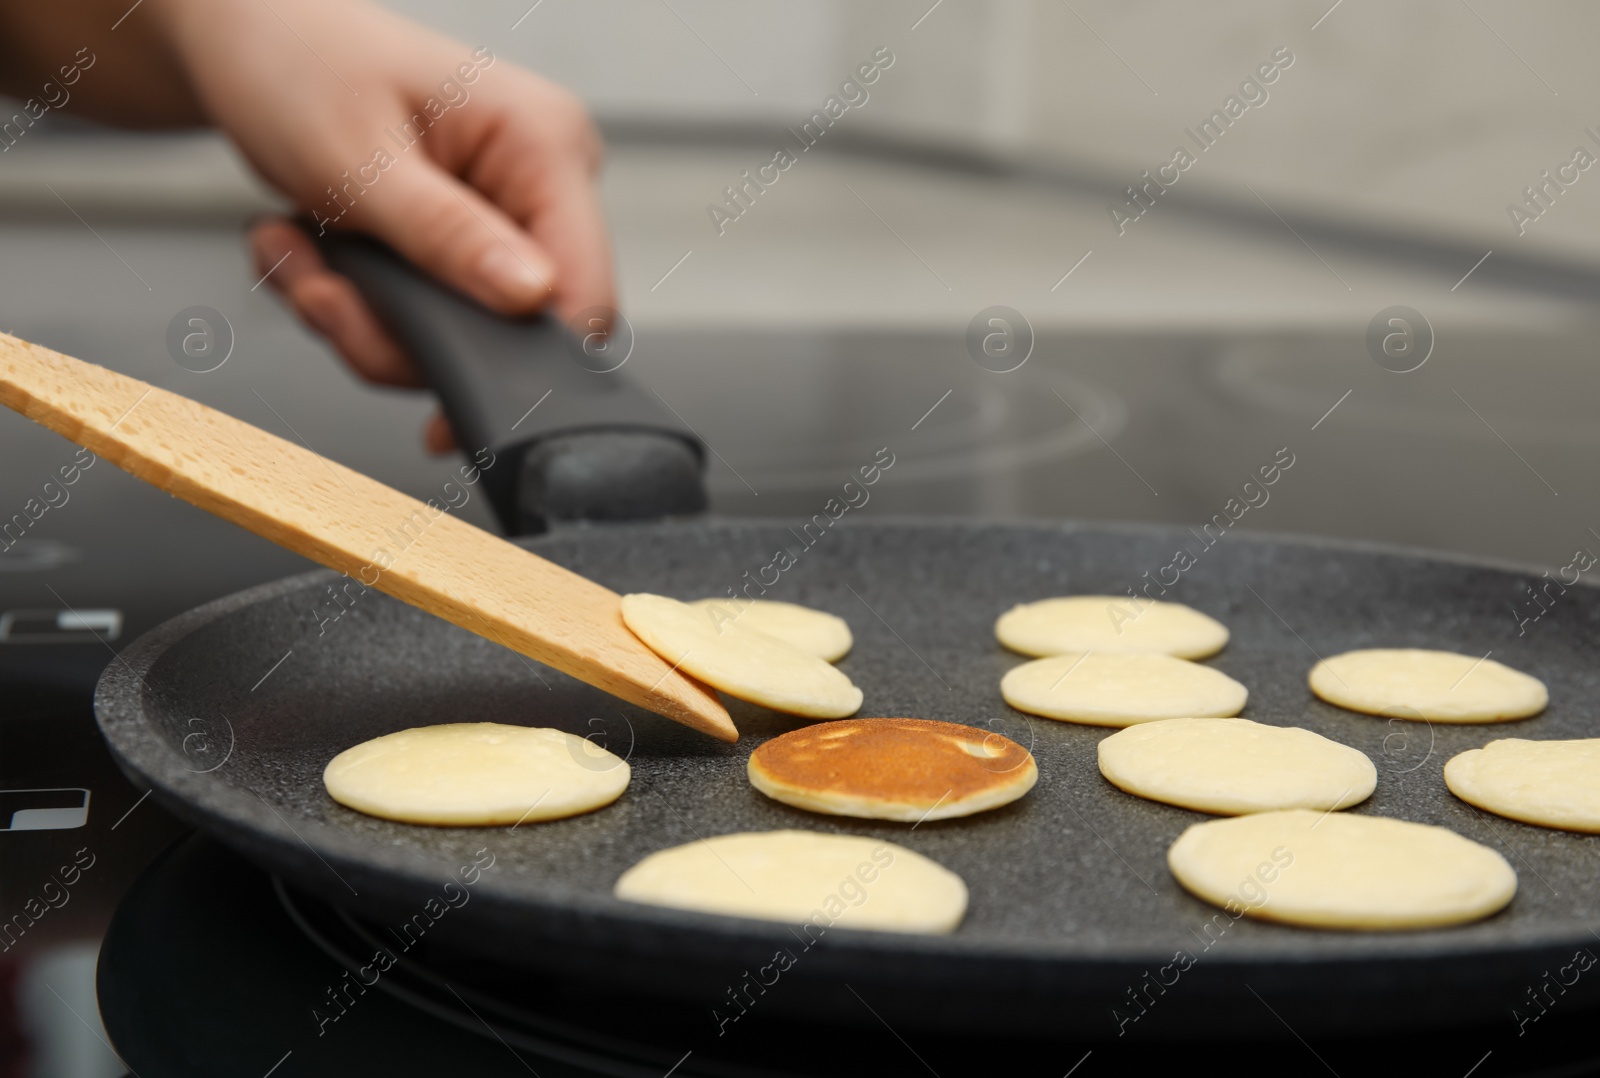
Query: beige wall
x: 1409, y: 115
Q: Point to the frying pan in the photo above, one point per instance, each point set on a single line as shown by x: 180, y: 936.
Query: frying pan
x: 230, y: 712
x: 1072, y: 908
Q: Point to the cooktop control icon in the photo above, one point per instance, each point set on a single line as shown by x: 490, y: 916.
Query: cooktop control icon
x: 60, y: 626
x: 44, y: 810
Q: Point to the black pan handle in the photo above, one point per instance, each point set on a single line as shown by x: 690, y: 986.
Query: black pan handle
x: 570, y: 437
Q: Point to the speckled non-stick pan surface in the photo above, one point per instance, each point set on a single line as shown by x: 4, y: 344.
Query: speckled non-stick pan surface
x: 1075, y: 925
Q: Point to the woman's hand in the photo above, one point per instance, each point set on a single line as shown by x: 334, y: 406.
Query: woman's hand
x: 479, y: 172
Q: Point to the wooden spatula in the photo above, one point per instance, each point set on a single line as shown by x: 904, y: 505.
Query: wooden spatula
x: 349, y: 522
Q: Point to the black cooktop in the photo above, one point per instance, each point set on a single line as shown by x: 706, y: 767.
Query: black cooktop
x: 211, y: 968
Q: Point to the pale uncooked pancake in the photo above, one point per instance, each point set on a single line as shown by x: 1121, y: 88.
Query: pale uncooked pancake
x: 893, y: 769
x: 1234, y: 766
x: 469, y: 774
x: 803, y: 877
x: 812, y: 631
x: 741, y: 662
x: 1549, y: 783
x: 1110, y: 623
x: 1439, y: 686
x: 1120, y: 690
x: 1338, y: 870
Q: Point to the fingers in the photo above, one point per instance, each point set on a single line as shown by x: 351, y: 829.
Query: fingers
x: 452, y: 232
x: 329, y: 304
x: 549, y: 163
x: 571, y: 223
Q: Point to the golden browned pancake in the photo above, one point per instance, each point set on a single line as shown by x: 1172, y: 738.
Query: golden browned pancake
x: 893, y: 769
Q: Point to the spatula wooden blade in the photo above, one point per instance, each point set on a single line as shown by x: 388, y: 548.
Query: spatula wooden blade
x: 415, y: 551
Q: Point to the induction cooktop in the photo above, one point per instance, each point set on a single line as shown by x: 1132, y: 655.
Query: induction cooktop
x: 214, y: 993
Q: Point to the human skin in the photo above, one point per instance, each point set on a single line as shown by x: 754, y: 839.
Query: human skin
x: 498, y: 199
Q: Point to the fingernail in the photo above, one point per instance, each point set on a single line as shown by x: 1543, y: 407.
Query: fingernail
x: 516, y: 278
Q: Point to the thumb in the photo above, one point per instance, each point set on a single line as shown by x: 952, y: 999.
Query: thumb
x: 452, y: 232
